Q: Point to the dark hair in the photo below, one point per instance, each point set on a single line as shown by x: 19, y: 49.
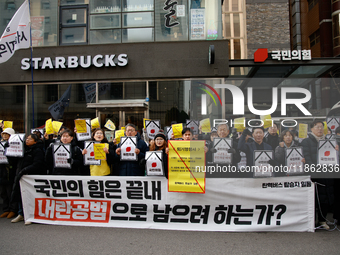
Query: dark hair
x: 34, y: 137
x: 185, y: 130
x: 337, y: 130
x: 284, y: 132
x: 131, y: 125
x: 37, y: 132
x: 258, y: 128
x: 316, y: 122
x: 68, y: 131
x: 99, y: 129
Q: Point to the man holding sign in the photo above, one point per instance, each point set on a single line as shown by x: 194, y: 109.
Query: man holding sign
x: 310, y: 151
x: 132, y: 167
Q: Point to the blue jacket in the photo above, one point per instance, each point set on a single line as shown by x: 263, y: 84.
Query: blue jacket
x: 133, y: 168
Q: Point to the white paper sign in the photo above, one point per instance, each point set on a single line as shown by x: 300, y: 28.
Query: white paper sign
x: 333, y: 123
x: 327, y: 153
x: 263, y: 168
x: 222, y: 145
x: 154, y: 163
x: 3, y: 158
x: 61, y: 152
x: 89, y: 156
x: 128, y: 146
x: 294, y: 156
x: 169, y: 132
x: 16, y: 146
x: 193, y: 125
x: 87, y: 135
x: 152, y: 128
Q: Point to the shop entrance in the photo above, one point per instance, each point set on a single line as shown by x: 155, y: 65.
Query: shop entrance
x: 124, y: 116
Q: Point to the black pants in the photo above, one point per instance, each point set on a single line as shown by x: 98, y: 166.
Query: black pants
x: 6, y: 193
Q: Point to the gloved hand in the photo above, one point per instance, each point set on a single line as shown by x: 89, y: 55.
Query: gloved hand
x: 272, y: 162
x: 246, y: 132
x: 70, y: 161
x: 231, y: 150
x: 213, y: 150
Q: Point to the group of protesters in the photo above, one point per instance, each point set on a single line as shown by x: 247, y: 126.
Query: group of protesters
x: 38, y: 158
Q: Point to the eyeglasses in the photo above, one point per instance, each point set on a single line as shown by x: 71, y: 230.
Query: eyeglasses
x: 129, y: 130
x: 318, y: 127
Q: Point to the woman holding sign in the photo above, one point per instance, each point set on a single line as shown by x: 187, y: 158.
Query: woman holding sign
x: 286, y: 141
x: 64, y: 158
x: 107, y: 153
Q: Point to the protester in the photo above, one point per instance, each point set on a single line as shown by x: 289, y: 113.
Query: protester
x: 160, y: 144
x: 324, y: 200
x: 286, y: 141
x: 249, y: 147
x: 336, y: 207
x: 132, y: 168
x: 76, y: 159
x: 104, y: 168
x: 7, y: 175
x: 31, y: 163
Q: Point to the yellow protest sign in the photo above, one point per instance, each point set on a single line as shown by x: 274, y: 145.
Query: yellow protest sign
x: 99, y: 153
x: 8, y: 124
x: 267, y: 120
x: 56, y: 126
x: 186, y: 166
x: 80, y: 126
x: 177, y: 130
x: 95, y: 123
x: 144, y: 122
x: 303, y: 129
x: 240, y: 124
x: 325, y: 129
x: 49, y: 127
x: 110, y: 125
x: 205, y: 124
x: 122, y: 128
x: 118, y: 135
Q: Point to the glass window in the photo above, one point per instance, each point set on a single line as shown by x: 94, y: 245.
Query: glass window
x: 122, y: 90
x: 73, y: 25
x: 12, y: 106
x: 73, y: 2
x: 105, y: 36
x: 171, y: 21
x: 105, y: 21
x: 138, y: 19
x: 314, y: 38
x: 137, y: 35
x: 235, y: 5
x: 137, y: 5
x: 105, y: 6
x: 227, y: 32
x: 51, y: 93
x: 237, y: 27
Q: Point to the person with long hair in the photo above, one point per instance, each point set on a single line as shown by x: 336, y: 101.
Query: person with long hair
x: 98, y: 135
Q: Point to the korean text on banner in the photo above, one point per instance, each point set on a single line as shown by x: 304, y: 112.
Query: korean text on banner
x: 186, y: 165
x: 205, y: 124
x: 229, y: 204
x: 17, y: 33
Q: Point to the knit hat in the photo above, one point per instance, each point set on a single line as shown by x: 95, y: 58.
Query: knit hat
x: 9, y: 131
x: 160, y: 134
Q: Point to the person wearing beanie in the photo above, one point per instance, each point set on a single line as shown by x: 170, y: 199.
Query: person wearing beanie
x: 160, y: 144
x: 7, y: 176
